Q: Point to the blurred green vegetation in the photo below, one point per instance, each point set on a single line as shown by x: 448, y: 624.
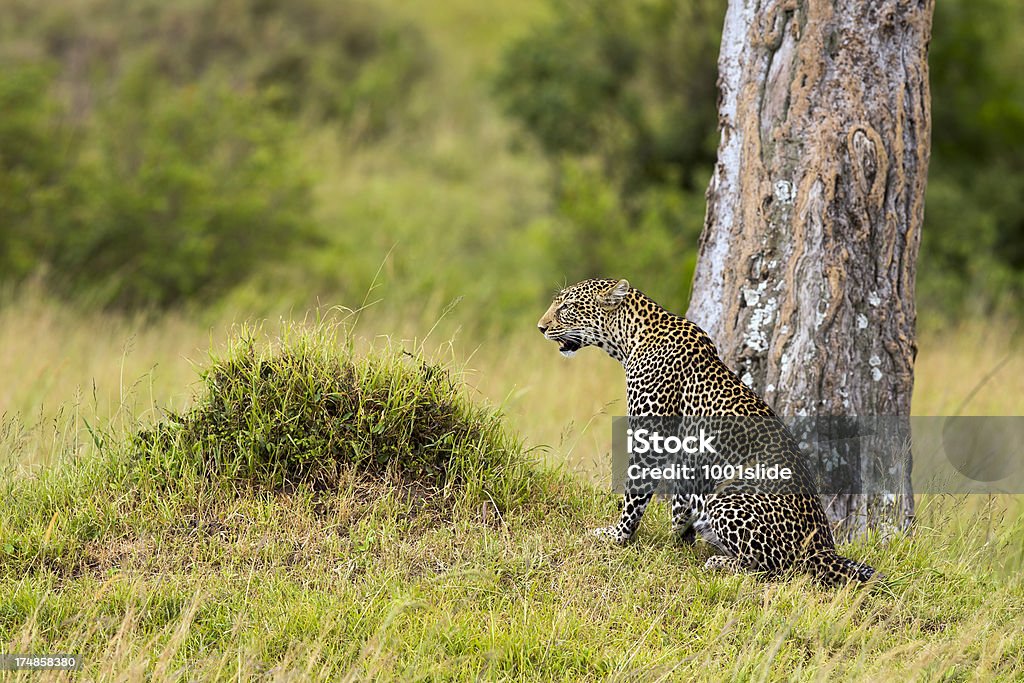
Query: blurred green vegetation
x: 972, y: 248
x: 263, y: 154
x: 623, y: 95
x: 631, y: 87
x: 152, y: 155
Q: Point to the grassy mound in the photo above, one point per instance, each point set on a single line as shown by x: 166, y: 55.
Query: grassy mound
x: 305, y: 411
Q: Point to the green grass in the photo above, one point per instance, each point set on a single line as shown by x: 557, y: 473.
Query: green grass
x: 216, y: 569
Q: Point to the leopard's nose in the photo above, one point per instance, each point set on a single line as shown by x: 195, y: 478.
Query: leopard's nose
x: 542, y: 328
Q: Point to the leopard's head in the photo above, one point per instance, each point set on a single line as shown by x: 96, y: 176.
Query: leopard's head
x: 582, y: 315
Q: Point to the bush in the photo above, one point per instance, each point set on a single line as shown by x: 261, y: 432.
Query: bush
x: 303, y: 413
x: 167, y: 194
x: 185, y: 193
x: 34, y: 150
x: 630, y: 83
x: 596, y: 235
x: 327, y: 60
x: 972, y: 244
x: 148, y: 152
x: 622, y: 96
x: 962, y: 268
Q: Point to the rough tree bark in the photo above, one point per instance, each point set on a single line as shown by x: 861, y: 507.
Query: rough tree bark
x: 805, y: 277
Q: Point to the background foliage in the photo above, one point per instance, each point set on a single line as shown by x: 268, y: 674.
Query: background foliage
x: 260, y: 153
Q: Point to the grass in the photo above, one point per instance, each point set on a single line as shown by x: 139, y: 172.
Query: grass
x: 527, y: 598
x: 304, y: 410
x: 218, y: 574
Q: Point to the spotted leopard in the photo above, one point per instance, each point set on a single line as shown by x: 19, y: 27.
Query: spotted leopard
x: 673, y: 369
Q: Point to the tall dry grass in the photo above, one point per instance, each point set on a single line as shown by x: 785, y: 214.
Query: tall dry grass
x: 58, y: 362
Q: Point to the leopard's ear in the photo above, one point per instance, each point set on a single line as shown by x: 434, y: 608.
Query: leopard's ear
x: 615, y: 295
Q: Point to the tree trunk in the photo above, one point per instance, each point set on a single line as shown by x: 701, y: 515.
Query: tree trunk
x: 805, y: 278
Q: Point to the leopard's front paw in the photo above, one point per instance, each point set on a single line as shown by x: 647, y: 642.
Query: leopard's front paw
x: 611, y: 533
x: 723, y: 563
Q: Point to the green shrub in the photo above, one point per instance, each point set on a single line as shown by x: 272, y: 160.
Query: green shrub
x: 630, y: 83
x: 962, y: 268
x: 596, y: 235
x: 34, y: 150
x: 304, y: 413
x: 622, y: 96
x: 327, y: 60
x: 972, y: 244
x: 149, y: 150
x: 186, y: 192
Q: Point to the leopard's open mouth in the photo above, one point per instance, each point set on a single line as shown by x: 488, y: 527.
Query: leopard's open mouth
x: 567, y: 347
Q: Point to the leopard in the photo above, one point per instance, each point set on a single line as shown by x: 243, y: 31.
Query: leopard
x: 673, y: 369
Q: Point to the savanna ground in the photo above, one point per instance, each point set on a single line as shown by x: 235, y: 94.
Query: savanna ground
x: 144, y: 574
x: 148, y: 565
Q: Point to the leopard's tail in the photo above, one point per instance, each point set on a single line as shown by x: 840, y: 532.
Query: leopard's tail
x: 832, y: 569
